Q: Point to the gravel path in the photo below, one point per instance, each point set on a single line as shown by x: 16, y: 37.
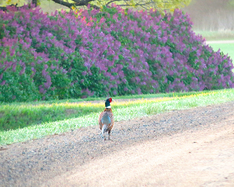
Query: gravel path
x: 35, y: 162
x: 192, y: 158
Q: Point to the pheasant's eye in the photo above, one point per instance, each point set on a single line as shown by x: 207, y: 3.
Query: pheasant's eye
x: 110, y: 99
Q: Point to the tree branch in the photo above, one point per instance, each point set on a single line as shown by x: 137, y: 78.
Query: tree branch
x: 34, y: 2
x: 94, y: 6
x: 69, y: 5
x: 82, y: 2
x: 18, y: 7
x: 138, y: 4
x: 127, y: 4
x: 76, y: 3
x: 112, y: 2
x: 5, y: 8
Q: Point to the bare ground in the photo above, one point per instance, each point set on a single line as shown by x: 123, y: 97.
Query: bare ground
x: 201, y: 158
x: 192, y: 147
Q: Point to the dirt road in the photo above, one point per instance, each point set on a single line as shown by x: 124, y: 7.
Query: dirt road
x: 193, y: 147
x: 201, y: 158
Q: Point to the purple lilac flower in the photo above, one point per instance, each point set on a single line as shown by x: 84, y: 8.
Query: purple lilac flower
x: 3, y: 82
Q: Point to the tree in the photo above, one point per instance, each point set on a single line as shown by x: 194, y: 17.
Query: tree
x: 34, y: 2
x: 161, y: 5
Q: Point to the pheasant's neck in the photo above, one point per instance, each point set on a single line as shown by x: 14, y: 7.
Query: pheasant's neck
x: 108, y: 110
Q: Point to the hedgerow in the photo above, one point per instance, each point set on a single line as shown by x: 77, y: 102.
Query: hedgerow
x: 112, y: 51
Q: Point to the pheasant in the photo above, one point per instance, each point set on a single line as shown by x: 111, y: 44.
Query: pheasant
x: 106, y: 119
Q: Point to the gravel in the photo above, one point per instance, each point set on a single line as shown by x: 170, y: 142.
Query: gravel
x: 34, y: 162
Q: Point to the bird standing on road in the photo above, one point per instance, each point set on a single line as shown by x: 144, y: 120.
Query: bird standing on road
x: 106, y: 119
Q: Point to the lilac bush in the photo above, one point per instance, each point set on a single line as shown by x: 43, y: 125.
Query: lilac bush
x: 101, y: 53
x: 177, y: 58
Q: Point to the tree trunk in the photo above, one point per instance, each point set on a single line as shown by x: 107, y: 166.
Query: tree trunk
x: 34, y: 2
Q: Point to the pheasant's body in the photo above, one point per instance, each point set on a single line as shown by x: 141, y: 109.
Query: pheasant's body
x: 106, y: 122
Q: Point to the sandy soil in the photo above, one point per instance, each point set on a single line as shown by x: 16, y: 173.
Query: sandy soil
x: 201, y: 158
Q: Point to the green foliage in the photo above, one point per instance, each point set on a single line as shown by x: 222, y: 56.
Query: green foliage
x: 21, y: 116
x: 19, y: 85
x: 231, y: 2
x: 100, y: 53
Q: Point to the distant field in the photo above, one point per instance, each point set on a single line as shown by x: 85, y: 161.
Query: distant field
x: 216, y: 35
x: 219, y: 36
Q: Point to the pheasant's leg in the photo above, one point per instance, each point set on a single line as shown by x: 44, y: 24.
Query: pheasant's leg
x: 109, y: 135
x: 103, y: 133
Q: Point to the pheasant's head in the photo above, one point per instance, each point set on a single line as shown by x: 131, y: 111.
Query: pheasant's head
x: 107, y: 103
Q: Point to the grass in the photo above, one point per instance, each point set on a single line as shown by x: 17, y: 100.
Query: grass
x: 226, y: 48
x: 216, y: 35
x: 21, y: 115
x: 87, y: 113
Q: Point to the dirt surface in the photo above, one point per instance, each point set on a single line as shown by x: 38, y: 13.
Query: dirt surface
x: 201, y: 158
x: 193, y: 147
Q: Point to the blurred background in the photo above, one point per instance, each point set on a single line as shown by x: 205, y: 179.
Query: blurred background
x: 213, y: 19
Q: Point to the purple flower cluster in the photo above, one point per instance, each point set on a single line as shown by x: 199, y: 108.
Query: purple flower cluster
x: 170, y: 56
x: 100, y: 53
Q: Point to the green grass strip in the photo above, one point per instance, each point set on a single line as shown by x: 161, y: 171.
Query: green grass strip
x: 20, y: 115
x: 122, y: 111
